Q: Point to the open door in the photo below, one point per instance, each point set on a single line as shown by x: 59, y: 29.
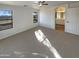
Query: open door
x: 60, y: 18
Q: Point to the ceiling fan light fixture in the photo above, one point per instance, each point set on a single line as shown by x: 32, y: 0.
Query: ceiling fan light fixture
x: 40, y: 4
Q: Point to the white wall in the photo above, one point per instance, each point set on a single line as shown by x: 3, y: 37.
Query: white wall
x: 45, y: 17
x: 22, y: 20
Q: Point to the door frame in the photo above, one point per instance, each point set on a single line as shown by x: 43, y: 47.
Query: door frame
x: 53, y: 16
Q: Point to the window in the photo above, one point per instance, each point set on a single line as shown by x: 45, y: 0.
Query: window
x: 6, y: 21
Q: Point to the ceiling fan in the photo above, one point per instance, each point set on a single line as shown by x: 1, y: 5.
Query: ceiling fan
x: 41, y: 3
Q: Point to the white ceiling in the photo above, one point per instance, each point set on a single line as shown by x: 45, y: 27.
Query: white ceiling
x: 18, y: 3
x: 31, y: 3
x: 54, y: 3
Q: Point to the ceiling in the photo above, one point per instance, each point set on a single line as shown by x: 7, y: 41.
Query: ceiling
x: 18, y: 3
x: 31, y: 3
x: 55, y: 3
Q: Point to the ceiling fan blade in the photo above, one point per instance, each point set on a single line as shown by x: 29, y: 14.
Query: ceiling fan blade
x: 45, y: 4
x: 43, y: 1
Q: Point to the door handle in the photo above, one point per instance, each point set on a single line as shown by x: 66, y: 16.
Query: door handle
x: 67, y: 21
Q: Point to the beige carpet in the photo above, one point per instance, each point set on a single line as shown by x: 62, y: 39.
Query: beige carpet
x: 66, y: 44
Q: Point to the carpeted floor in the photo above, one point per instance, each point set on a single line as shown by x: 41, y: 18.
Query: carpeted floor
x: 65, y: 43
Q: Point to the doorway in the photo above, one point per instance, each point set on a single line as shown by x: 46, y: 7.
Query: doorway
x: 60, y: 19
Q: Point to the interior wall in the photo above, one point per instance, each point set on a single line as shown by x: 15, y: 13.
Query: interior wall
x: 45, y: 17
x: 22, y: 20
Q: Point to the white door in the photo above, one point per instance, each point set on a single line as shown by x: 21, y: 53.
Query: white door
x: 72, y: 21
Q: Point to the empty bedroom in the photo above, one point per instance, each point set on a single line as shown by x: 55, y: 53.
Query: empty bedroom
x: 39, y: 29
